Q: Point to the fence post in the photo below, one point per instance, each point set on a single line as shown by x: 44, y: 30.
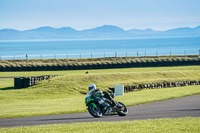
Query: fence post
x: 91, y: 55
x: 137, y: 53
x: 26, y: 61
x: 126, y: 54
x: 170, y: 53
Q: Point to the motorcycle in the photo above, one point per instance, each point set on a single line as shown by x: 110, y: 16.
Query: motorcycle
x: 97, y: 110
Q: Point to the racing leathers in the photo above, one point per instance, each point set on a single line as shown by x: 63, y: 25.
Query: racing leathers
x: 98, y: 95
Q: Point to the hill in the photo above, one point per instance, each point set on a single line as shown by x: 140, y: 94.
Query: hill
x: 105, y: 31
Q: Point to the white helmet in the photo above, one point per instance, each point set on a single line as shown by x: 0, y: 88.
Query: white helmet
x: 92, y: 87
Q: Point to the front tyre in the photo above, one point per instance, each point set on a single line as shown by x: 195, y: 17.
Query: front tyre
x: 94, y: 111
x: 122, y: 111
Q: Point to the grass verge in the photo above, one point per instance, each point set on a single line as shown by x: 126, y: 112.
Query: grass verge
x: 101, y: 71
x: 165, y: 125
x: 179, y: 59
x: 6, y: 83
x: 63, y: 94
x: 20, y: 107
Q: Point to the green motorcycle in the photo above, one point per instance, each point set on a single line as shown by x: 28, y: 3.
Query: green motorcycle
x: 97, y: 110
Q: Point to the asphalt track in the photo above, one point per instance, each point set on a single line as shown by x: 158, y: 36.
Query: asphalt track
x: 173, y: 108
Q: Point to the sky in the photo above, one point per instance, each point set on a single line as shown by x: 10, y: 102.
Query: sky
x: 86, y: 14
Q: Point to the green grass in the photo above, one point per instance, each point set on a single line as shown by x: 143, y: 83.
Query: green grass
x: 21, y: 106
x: 146, y: 96
x: 6, y: 83
x: 31, y: 73
x: 94, y: 63
x: 110, y: 60
x: 164, y: 125
x: 62, y: 94
x: 98, y: 71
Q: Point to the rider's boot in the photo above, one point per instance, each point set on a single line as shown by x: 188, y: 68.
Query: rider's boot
x: 118, y: 105
x: 107, y: 110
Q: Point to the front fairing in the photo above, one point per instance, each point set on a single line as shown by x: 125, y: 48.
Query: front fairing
x: 88, y: 100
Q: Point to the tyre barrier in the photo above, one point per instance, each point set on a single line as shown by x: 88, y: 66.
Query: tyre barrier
x: 158, y: 85
x: 25, y: 82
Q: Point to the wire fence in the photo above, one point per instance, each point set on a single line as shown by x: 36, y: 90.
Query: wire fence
x: 99, y: 55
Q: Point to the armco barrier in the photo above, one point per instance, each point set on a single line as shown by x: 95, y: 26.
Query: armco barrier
x: 25, y: 82
x: 159, y: 85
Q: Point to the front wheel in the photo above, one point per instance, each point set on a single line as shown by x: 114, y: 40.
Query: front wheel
x: 94, y: 111
x: 122, y: 111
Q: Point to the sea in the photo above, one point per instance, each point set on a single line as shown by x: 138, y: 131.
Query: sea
x: 95, y: 48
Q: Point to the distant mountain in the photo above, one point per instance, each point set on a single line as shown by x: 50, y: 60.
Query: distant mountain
x: 52, y: 30
x: 146, y: 31
x: 49, y: 33
x: 181, y: 30
x: 9, y: 34
x: 197, y: 28
x: 105, y: 31
x: 184, y: 30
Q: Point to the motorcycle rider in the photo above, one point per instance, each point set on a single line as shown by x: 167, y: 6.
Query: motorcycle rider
x: 98, y: 95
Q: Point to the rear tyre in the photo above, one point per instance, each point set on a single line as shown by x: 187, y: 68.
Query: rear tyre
x: 123, y: 111
x: 95, y: 112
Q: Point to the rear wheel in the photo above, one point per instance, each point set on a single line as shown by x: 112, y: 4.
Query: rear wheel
x: 122, y: 111
x: 94, y: 111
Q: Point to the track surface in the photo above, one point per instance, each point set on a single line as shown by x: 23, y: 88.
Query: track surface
x: 173, y: 108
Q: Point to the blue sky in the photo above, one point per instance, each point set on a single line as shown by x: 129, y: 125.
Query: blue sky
x: 85, y: 14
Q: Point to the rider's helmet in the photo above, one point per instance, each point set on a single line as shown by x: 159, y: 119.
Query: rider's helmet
x: 92, y: 87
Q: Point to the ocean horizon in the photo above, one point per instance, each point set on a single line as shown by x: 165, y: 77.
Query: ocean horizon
x: 95, y: 48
